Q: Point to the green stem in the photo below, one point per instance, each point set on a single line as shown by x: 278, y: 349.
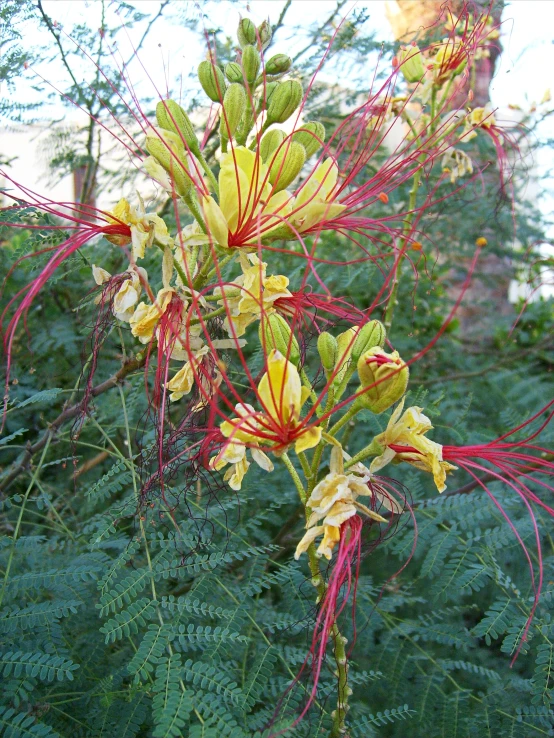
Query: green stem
x: 295, y: 478
x: 410, y: 216
x: 196, y: 211
x: 313, y: 396
x: 374, y: 449
x: 221, y: 263
x: 177, y: 266
x: 141, y: 524
x: 20, y: 517
x: 213, y: 314
x: 304, y: 464
x: 354, y: 410
x: 319, y: 450
x: 210, y: 175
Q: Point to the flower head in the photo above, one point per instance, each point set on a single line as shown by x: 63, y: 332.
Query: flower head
x: 235, y: 455
x: 278, y: 425
x: 404, y: 440
x: 333, y: 501
x: 145, y: 227
x: 249, y: 208
x: 257, y: 294
x: 127, y: 295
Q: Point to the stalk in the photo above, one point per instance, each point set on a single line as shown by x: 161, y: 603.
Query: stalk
x: 339, y: 651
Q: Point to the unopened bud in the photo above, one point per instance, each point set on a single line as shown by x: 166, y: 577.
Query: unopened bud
x: 271, y: 142
x: 172, y: 117
x: 168, y: 149
x: 251, y: 63
x: 246, y: 32
x: 267, y: 94
x: 265, y: 33
x: 410, y: 61
x: 212, y: 80
x: 284, y: 101
x: 286, y: 165
x: 234, y: 105
x: 278, y: 64
x: 233, y: 72
x: 345, y: 341
x: 328, y: 350
x: 385, y: 376
x: 371, y: 334
x: 311, y: 136
x: 274, y: 333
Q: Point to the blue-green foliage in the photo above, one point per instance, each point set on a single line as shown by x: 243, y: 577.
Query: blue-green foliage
x: 185, y: 614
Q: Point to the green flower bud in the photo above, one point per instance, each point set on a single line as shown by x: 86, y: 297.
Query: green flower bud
x: 328, y: 350
x: 212, y: 80
x: 274, y: 333
x: 345, y: 341
x: 251, y: 63
x: 271, y: 142
x: 265, y: 33
x: 284, y: 100
x: 233, y: 72
x: 370, y: 335
x: 246, y: 32
x: 410, y: 61
x: 172, y: 117
x: 310, y: 136
x: 385, y: 376
x: 168, y: 149
x: 286, y: 165
x: 234, y: 105
x: 278, y: 64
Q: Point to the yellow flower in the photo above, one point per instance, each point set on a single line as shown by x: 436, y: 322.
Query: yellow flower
x: 282, y: 396
x: 279, y: 425
x: 408, y: 430
x: 256, y: 295
x: 100, y: 276
x: 314, y: 202
x: 182, y: 383
x: 128, y: 294
x: 145, y: 319
x: 482, y: 117
x: 333, y: 501
x: 246, y: 201
x: 235, y: 454
x: 145, y: 227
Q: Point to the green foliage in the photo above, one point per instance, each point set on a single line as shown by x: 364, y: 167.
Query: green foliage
x: 188, y: 616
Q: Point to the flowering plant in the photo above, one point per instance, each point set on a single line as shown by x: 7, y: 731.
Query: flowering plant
x: 247, y: 360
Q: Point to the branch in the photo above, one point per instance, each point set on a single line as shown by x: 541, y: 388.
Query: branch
x: 315, y: 35
x: 68, y: 414
x: 147, y: 31
x: 281, y: 18
x: 58, y: 42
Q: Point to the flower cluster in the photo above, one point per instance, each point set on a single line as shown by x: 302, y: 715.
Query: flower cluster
x: 213, y: 305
